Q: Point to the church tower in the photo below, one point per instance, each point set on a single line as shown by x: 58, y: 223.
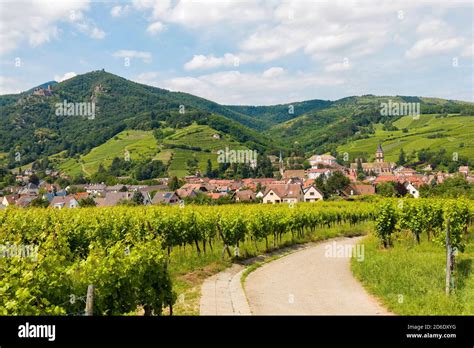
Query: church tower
x: 379, y: 158
x: 281, y: 165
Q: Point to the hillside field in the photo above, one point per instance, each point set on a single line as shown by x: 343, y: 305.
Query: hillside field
x: 454, y: 133
x: 143, y: 145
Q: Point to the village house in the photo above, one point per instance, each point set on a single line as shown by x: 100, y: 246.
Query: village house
x: 30, y: 189
x: 244, y: 196
x: 312, y: 194
x: 359, y: 189
x: 411, y: 189
x: 81, y: 195
x: 283, y: 193
x: 170, y: 198
x: 325, y: 160
x: 10, y: 199
x: 111, y: 199
x: 404, y: 171
x: 186, y: 193
x: 385, y: 178
x: 315, y: 173
x: 299, y: 174
x: 216, y: 195
x: 24, y: 201
x: 95, y: 189
x: 68, y: 202
x: 196, y: 187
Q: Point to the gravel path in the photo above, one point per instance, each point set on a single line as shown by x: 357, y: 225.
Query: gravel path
x: 310, y: 282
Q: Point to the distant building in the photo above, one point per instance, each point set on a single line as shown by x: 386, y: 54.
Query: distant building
x: 312, y: 194
x: 317, y: 160
x: 30, y: 189
x: 294, y: 174
x: 315, y: 173
x: 379, y: 166
x: 283, y: 193
x: 170, y: 198
x: 411, y: 189
x: 24, y: 201
x: 186, y: 193
x: 44, y: 92
x: 64, y: 202
x: 96, y: 188
x: 10, y: 199
x: 359, y: 189
x: 244, y: 196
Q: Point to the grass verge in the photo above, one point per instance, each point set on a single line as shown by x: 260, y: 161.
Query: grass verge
x: 410, y: 279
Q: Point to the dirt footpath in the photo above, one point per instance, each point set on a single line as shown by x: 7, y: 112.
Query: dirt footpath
x: 314, y: 281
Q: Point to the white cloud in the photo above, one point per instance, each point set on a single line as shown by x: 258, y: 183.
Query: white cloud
x: 432, y: 46
x: 144, y: 56
x: 337, y: 66
x: 196, y: 14
x: 431, y: 26
x: 326, y: 31
x: 155, y: 28
x: 209, y: 62
x: 147, y: 78
x: 468, y: 51
x: 119, y: 11
x: 37, y: 22
x: 96, y: 33
x: 269, y: 87
x: 273, y: 72
x: 66, y: 76
x: 9, y: 85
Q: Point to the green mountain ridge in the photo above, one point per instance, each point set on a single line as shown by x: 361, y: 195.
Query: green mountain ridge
x: 29, y: 125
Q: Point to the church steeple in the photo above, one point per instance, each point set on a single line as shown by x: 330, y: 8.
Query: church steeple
x: 281, y: 165
x: 379, y: 156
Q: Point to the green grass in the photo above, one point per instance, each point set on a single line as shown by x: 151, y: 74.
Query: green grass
x: 455, y: 130
x: 410, y: 279
x: 189, y: 270
x: 178, y: 166
x: 201, y: 136
x: 197, y: 136
x: 140, y: 144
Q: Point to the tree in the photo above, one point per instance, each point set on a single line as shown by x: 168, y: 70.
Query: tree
x: 387, y: 189
x: 360, y: 169
x: 138, y: 198
x: 174, y: 183
x: 39, y: 203
x: 360, y: 176
x: 123, y: 189
x: 87, y: 202
x: 192, y: 165
x: 209, y: 173
x: 336, y: 182
x: 34, y: 179
x: 401, y: 158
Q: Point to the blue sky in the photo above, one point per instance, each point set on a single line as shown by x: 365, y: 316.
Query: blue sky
x: 245, y: 52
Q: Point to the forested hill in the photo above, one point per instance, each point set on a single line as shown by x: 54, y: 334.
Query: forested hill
x: 29, y: 124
